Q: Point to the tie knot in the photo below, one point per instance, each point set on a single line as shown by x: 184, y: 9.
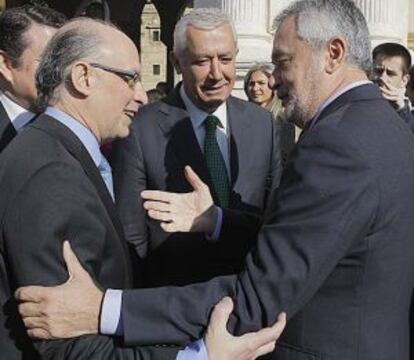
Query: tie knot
x: 211, y: 122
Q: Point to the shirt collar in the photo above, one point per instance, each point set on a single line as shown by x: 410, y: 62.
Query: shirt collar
x: 336, y: 95
x: 18, y: 115
x: 198, y: 116
x: 84, y: 134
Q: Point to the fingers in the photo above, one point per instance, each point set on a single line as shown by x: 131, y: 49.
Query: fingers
x: 30, y: 293
x: 264, y: 340
x: 157, y: 206
x: 156, y: 195
x: 30, y: 309
x: 72, y: 263
x: 193, y: 179
x: 220, y: 315
x: 39, y: 334
x: 160, y: 216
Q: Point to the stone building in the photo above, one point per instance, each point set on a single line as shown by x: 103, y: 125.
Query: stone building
x: 388, y: 20
x: 153, y: 50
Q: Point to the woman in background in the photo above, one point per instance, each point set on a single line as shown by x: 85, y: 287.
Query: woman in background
x: 260, y: 92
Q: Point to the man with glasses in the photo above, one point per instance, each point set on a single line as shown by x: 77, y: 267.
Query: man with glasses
x: 57, y: 185
x: 391, y: 71
x: 24, y: 33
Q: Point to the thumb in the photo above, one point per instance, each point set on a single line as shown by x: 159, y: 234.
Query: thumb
x: 193, y: 179
x: 221, y: 312
x: 73, y: 265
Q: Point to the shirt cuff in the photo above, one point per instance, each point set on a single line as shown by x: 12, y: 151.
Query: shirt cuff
x: 111, y: 312
x: 195, y: 351
x: 219, y: 222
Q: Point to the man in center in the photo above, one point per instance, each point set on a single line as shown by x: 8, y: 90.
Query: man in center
x: 231, y: 144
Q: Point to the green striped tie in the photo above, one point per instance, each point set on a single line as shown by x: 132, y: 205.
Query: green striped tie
x: 215, y: 162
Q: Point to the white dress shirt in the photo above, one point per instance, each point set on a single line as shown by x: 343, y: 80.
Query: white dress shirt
x: 198, y: 117
x: 18, y: 115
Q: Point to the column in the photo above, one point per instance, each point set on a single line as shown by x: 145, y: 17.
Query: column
x: 252, y: 22
x: 410, y: 42
x: 387, y: 20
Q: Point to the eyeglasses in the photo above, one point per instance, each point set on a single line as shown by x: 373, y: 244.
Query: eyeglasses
x: 130, y: 77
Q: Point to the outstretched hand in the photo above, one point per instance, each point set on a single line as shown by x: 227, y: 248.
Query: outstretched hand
x: 68, y: 310
x: 221, y: 345
x: 190, y: 212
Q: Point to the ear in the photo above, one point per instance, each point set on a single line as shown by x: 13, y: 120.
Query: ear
x: 82, y: 78
x: 6, y: 66
x: 406, y: 78
x: 335, y: 54
x: 175, y: 61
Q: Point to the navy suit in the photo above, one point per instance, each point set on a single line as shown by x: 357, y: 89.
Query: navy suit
x: 336, y: 251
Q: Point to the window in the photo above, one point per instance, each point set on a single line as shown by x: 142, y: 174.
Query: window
x: 156, y: 69
x: 156, y: 35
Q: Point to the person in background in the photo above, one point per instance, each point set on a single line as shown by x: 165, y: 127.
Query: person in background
x: 24, y: 33
x: 391, y: 66
x: 154, y: 95
x: 258, y: 88
x: 410, y: 88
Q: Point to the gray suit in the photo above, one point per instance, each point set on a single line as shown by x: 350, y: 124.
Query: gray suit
x: 161, y: 143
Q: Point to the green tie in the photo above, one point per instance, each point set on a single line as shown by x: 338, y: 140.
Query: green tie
x: 215, y: 162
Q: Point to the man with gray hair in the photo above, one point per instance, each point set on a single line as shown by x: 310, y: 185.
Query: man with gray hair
x: 230, y: 143
x: 336, y: 250
x: 57, y: 185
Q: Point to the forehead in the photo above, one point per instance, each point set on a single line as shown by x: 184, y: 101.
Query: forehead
x: 120, y: 51
x: 286, y: 39
x: 258, y: 75
x: 390, y: 62
x: 219, y: 39
x: 37, y: 36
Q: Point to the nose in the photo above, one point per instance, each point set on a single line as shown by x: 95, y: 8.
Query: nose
x: 140, y: 96
x: 215, y: 69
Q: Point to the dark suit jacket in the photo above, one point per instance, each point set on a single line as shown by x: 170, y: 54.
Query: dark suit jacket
x: 50, y: 191
x: 336, y: 252
x: 161, y: 143
x: 7, y: 130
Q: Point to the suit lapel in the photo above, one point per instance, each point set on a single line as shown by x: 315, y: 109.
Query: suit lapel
x: 182, y: 145
x: 240, y: 127
x: 74, y: 146
x: 7, y: 130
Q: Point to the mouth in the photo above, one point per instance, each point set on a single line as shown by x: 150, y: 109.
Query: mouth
x: 213, y: 89
x: 130, y: 113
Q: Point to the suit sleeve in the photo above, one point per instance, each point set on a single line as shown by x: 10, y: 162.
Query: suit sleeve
x: 49, y: 209
x: 327, y: 201
x: 129, y: 181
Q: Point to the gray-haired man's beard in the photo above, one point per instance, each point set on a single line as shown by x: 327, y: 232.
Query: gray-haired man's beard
x: 295, y: 114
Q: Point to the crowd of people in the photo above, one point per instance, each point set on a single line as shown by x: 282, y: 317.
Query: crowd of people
x: 206, y: 230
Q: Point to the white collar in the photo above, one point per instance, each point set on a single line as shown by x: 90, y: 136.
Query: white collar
x: 198, y: 116
x: 18, y: 115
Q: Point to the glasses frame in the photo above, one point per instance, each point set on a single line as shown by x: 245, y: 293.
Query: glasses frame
x: 130, y: 77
